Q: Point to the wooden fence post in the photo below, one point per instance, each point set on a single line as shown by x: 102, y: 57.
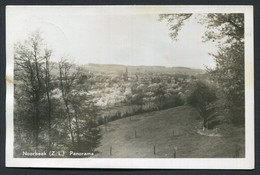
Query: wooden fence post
x: 154, y: 150
x: 110, y: 150
x: 174, y: 151
x: 106, y: 123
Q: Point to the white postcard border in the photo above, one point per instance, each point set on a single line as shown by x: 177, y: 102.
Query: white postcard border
x: 157, y: 163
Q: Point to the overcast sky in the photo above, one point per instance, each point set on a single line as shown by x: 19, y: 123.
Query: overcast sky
x: 105, y: 37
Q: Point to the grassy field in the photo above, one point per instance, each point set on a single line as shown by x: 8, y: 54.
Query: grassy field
x: 176, y: 128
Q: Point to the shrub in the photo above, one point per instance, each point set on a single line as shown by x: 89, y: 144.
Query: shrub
x: 173, y: 101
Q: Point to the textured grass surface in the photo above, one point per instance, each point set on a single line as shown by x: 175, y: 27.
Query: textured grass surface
x: 167, y: 130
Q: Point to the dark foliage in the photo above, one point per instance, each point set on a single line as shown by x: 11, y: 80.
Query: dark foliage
x: 203, y: 98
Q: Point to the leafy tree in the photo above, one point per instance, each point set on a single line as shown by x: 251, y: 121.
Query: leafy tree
x: 228, y: 31
x: 202, y: 98
x: 175, y: 22
x: 160, y: 94
x: 90, y: 132
x: 138, y: 93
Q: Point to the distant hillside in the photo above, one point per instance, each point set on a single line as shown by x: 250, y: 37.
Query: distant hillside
x: 116, y: 68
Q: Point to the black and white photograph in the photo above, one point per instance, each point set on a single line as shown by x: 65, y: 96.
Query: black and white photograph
x: 130, y: 87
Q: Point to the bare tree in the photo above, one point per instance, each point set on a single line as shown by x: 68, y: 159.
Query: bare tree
x: 66, y: 82
x: 28, y: 62
x: 48, y: 89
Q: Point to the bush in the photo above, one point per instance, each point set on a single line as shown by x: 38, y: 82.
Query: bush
x: 173, y: 101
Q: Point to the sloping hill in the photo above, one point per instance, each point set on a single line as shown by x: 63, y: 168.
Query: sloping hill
x: 176, y: 127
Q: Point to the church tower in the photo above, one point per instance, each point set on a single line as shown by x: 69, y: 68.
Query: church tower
x: 126, y: 74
